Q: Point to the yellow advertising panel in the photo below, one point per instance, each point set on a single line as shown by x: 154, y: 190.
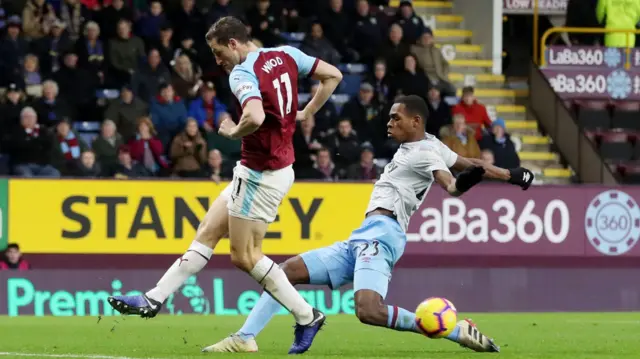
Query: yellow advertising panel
x: 157, y: 217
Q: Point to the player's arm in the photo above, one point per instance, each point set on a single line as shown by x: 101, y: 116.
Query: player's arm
x: 328, y: 75
x: 244, y: 85
x: 518, y: 176
x: 429, y: 162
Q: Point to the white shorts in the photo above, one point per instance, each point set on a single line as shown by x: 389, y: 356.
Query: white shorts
x: 257, y: 195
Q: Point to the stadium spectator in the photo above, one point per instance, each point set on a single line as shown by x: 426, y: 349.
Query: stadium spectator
x: 619, y: 15
x: 187, y: 47
x: 323, y: 169
x: 168, y: 113
x: 381, y: 82
x: 293, y: 22
x: 149, y: 24
x: 336, y: 25
x: 366, y: 169
x: 186, y: 78
x: 50, y: 107
x: 125, y: 112
x: 412, y: 25
x: 410, y: 81
x: 230, y: 149
x: 394, y: 50
x: 582, y: 13
x: 187, y: 14
x: 30, y: 146
x: 189, y: 151
x: 499, y: 142
x: 316, y: 45
x: 306, y: 143
x: 460, y: 138
x: 362, y: 112
x: 344, y: 145
x: 13, y: 49
x: 74, y: 14
x: 88, y: 166
x: 219, y: 9
x: 77, y: 86
x: 216, y: 169
x: 91, y: 50
x: 111, y: 16
x: 165, y: 45
x: 474, y: 112
x: 51, y: 47
x: 31, y: 72
x: 67, y: 149
x: 206, y: 109
x: 14, y: 100
x: 147, y: 80
x: 433, y: 63
x: 37, y: 18
x: 107, y: 145
x: 367, y: 33
x: 487, y: 156
x: 13, y: 259
x: 125, y: 51
x: 147, y: 149
x: 127, y: 168
x: 265, y: 23
x: 327, y: 116
x: 439, y: 112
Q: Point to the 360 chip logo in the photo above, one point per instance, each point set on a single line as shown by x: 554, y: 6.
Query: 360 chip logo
x: 612, y: 222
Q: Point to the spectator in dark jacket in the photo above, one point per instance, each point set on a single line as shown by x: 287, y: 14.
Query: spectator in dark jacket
x: 337, y: 26
x: 363, y: 112
x: 366, y: 169
x: 189, y: 151
x: 265, y: 23
x: 381, y: 82
x: 207, y: 109
x: 106, y: 147
x: 149, y: 24
x: 316, y: 45
x: 13, y: 259
x: 88, y: 166
x: 344, y: 145
x: 50, y: 107
x: 582, y: 13
x: 127, y: 168
x: 30, y: 147
x: 147, y: 149
x: 51, y: 47
x: 13, y: 103
x: 439, y: 112
x: 147, y: 81
x: 125, y: 112
x: 368, y: 32
x: 410, y: 81
x: 323, y: 169
x: 110, y: 17
x: 187, y: 14
x: 77, y: 86
x: 165, y: 45
x: 326, y: 118
x: 217, y: 170
x: 91, y: 50
x: 13, y: 48
x: 412, y: 25
x: 499, y: 142
x: 220, y: 9
x: 394, y: 50
x: 74, y: 14
x: 125, y: 52
x: 168, y: 113
x: 305, y: 144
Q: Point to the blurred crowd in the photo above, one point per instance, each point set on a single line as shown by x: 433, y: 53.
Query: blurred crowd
x: 62, y: 60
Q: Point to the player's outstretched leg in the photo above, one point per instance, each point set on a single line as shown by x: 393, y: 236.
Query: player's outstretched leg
x: 214, y: 226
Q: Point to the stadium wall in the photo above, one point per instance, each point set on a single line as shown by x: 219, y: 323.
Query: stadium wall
x: 552, y: 248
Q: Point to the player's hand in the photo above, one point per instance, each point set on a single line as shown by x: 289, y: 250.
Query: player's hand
x: 521, y: 177
x: 302, y: 115
x: 468, y: 178
x: 226, y: 128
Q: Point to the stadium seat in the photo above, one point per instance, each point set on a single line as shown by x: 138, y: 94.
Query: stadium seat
x: 630, y: 173
x: 293, y: 36
x: 87, y: 126
x: 350, y: 84
x: 88, y: 137
x: 108, y: 94
x: 339, y: 100
x: 616, y: 146
x: 353, y: 68
x: 593, y: 115
x: 626, y: 115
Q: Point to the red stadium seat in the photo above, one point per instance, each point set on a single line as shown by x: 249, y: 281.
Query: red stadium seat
x: 593, y: 115
x: 626, y: 115
x: 616, y: 146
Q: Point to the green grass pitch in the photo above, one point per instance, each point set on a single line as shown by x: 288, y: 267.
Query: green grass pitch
x: 522, y: 336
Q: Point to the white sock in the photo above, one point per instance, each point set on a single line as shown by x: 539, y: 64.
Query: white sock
x: 275, y: 282
x: 192, y: 262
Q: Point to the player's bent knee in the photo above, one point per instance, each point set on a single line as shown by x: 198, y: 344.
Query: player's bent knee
x: 369, y: 312
x: 242, y: 260
x: 295, y: 270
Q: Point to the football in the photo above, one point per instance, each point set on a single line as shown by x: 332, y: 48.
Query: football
x: 436, y: 317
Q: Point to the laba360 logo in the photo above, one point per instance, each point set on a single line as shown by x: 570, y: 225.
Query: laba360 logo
x: 612, y: 222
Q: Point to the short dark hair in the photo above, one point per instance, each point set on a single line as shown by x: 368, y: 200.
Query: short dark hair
x: 414, y: 105
x: 13, y: 246
x: 228, y: 28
